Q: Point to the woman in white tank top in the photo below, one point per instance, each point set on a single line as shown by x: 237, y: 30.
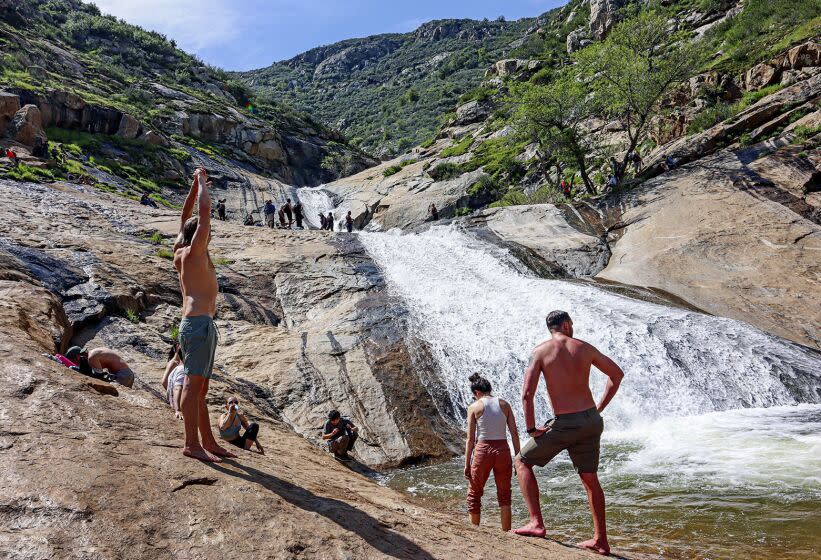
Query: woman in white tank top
x: 489, y: 420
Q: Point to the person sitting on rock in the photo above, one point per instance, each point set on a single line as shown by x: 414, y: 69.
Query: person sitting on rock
x: 145, y: 200
x: 670, y: 162
x: 249, y: 220
x: 173, y: 379
x: 103, y: 359
x: 340, y: 433
x: 12, y: 155
x: 270, y: 213
x: 232, y: 420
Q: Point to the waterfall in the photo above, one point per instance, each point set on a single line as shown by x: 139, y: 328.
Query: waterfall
x: 477, y: 310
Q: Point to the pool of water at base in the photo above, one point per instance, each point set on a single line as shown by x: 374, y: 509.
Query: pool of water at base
x: 740, y: 483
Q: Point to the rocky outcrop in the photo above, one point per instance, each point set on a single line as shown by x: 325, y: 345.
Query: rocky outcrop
x: 508, y: 67
x: 603, y: 15
x: 552, y: 240
x: 731, y: 235
x: 304, y: 319
x: 26, y: 126
x: 9, y: 105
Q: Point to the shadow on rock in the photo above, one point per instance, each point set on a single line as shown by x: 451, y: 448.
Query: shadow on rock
x: 373, y: 531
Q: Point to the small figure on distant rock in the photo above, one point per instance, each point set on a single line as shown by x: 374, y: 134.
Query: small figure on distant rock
x: 270, y: 213
x: 670, y: 162
x: 298, y: 214
x: 146, y: 200
x: 289, y: 213
x: 323, y: 222
x: 340, y: 433
x: 100, y: 360
x: 250, y: 220
x: 232, y: 421
x: 173, y: 379
x: 282, y: 223
x: 434, y: 213
x: 221, y: 209
x: 40, y: 147
x: 12, y: 155
x: 566, y: 189
x: 197, y: 332
x: 637, y: 161
x: 349, y: 222
x: 329, y: 222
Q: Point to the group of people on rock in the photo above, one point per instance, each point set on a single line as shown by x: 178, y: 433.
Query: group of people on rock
x: 289, y: 214
x: 565, y: 363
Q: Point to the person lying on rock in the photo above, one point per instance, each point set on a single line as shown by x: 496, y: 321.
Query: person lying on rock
x: 489, y: 420
x: 145, y: 200
x: 197, y: 332
x: 102, y: 360
x: 173, y: 378
x: 565, y: 363
x: 341, y: 434
x: 232, y: 420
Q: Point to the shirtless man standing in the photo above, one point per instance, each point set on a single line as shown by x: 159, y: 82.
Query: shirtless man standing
x: 565, y: 363
x: 198, y: 335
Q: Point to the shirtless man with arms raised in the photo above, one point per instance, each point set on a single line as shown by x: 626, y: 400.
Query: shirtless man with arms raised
x: 565, y: 363
x: 197, y: 333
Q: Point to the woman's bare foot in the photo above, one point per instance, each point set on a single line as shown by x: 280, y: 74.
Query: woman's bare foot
x: 219, y: 451
x: 532, y: 529
x: 201, y: 454
x: 596, y: 546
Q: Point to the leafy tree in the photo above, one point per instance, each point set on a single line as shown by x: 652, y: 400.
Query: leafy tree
x: 634, y: 69
x: 554, y: 116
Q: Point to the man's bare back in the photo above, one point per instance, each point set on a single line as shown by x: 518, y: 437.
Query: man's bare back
x: 105, y: 358
x: 198, y: 282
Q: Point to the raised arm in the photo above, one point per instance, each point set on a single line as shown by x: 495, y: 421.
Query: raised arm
x: 471, y: 441
x: 511, y: 426
x: 199, y: 244
x: 614, y: 374
x: 531, y: 384
x: 190, y: 200
x: 227, y: 419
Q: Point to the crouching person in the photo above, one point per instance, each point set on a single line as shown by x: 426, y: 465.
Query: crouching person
x: 232, y: 421
x: 341, y: 434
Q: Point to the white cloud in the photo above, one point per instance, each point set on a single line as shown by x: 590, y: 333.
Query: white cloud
x: 193, y: 24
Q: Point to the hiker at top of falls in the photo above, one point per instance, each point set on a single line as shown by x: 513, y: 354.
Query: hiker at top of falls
x: 434, y: 213
x: 221, y: 209
x: 97, y: 361
x: 232, y: 421
x: 197, y: 332
x: 565, y: 363
x: 173, y: 379
x: 298, y: 214
x: 270, y: 213
x: 323, y: 221
x: 489, y: 420
x: 281, y: 215
x: 349, y: 222
x: 289, y: 212
x: 329, y: 221
x: 340, y: 433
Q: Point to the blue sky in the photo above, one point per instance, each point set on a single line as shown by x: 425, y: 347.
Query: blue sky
x: 246, y: 34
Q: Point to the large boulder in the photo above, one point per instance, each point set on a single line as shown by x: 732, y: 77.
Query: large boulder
x: 727, y: 240
x: 129, y: 127
x: 9, y: 105
x: 808, y: 54
x: 550, y: 239
x: 761, y: 75
x: 603, y: 15
x: 471, y: 112
x: 27, y: 125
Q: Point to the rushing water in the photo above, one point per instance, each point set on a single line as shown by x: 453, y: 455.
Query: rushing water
x: 712, y: 444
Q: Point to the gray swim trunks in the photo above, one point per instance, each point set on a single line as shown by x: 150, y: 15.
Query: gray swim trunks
x: 578, y: 432
x: 124, y: 377
x: 198, y: 343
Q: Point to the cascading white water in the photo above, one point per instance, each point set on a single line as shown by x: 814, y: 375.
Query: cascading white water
x: 315, y: 200
x: 473, y: 308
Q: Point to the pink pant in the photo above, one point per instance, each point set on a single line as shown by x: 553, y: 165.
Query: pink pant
x: 490, y: 455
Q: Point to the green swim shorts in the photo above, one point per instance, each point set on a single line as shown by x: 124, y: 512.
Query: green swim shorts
x: 198, y: 343
x: 578, y: 432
